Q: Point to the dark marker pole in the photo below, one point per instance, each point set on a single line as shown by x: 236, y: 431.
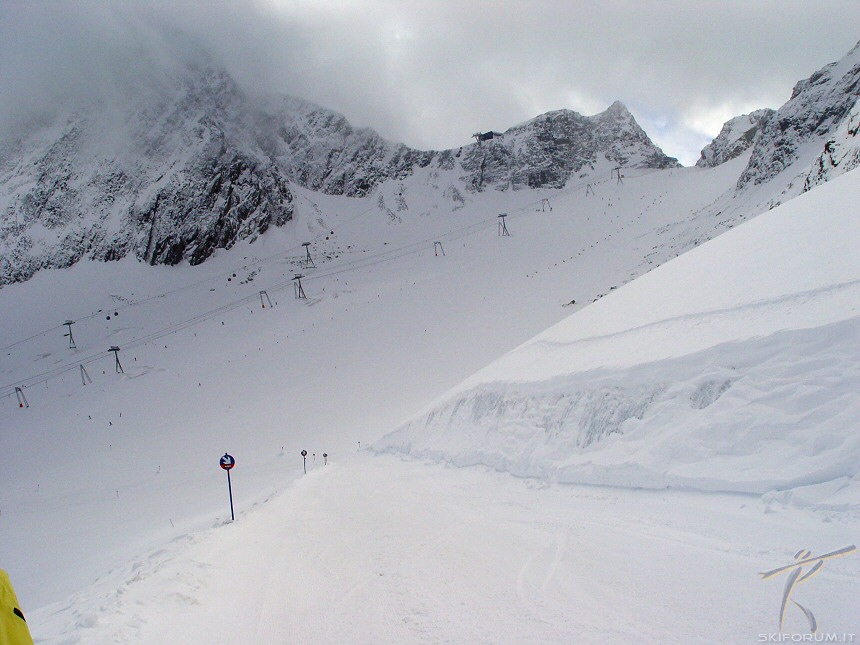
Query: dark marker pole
x: 305, y: 461
x: 227, y: 462
x: 230, y: 490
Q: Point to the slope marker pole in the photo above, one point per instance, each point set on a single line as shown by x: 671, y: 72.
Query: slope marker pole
x: 227, y: 462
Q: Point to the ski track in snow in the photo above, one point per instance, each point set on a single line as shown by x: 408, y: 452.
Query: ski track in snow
x: 483, y: 558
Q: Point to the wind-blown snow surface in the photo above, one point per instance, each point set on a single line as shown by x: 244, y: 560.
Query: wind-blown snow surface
x: 735, y: 367
x: 114, y: 522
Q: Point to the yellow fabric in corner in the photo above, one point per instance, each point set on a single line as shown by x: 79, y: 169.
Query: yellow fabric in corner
x: 13, y: 627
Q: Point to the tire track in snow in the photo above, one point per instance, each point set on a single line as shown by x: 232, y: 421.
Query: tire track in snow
x: 535, y: 599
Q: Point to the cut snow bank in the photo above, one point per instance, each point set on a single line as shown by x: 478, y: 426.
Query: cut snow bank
x: 735, y: 367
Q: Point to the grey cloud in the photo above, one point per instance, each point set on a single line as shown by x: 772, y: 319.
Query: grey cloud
x: 430, y: 73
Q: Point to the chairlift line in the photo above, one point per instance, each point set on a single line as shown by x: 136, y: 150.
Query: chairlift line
x: 272, y: 257
x: 280, y: 254
x: 361, y: 263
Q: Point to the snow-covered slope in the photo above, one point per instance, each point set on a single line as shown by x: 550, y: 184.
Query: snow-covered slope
x: 734, y: 367
x: 128, y: 462
x: 391, y: 550
x: 388, y: 325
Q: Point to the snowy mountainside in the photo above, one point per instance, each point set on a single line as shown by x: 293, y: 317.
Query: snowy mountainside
x: 736, y: 136
x: 319, y: 149
x: 670, y: 378
x: 841, y: 152
x: 794, y: 137
x: 734, y: 367
x: 805, y: 143
x: 173, y: 175
x: 189, y: 163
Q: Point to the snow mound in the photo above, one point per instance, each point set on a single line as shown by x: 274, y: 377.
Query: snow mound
x: 735, y: 367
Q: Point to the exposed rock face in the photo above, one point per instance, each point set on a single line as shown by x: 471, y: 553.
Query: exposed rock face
x: 818, y: 106
x: 736, y: 137
x: 320, y: 150
x: 841, y: 152
x: 547, y: 149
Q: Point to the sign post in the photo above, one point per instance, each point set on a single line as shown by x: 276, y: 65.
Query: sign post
x: 305, y: 461
x: 227, y: 462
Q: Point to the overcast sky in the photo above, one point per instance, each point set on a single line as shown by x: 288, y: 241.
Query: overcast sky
x: 431, y: 73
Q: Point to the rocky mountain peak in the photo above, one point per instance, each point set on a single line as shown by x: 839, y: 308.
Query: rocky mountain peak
x: 546, y: 150
x: 617, y: 112
x: 735, y: 138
